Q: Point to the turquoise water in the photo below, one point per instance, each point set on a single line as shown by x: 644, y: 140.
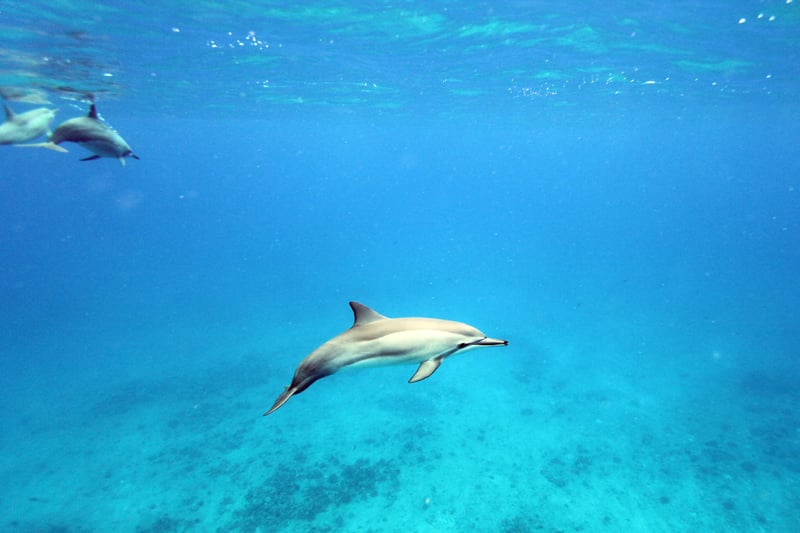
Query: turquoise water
x: 612, y: 187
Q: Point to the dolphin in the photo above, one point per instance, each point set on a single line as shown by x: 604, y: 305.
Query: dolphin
x: 23, y: 127
x: 91, y: 133
x: 26, y: 95
x: 375, y: 340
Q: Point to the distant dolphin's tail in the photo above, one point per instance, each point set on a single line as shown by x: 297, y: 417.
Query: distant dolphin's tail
x: 282, y: 399
x: 49, y: 145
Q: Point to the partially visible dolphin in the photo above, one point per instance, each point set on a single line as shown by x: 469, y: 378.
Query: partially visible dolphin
x: 25, y: 94
x: 91, y: 133
x: 23, y: 127
x: 375, y: 340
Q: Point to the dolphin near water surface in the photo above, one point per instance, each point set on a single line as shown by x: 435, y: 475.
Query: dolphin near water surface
x: 91, y: 133
x: 24, y: 127
x: 375, y: 340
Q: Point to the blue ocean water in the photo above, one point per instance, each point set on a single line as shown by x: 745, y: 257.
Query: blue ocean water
x: 612, y: 187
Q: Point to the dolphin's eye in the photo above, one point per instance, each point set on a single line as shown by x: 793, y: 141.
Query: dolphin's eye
x: 462, y: 345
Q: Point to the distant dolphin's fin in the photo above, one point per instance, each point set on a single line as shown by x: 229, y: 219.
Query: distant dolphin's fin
x: 49, y: 145
x: 363, y: 315
x: 91, y: 158
x: 93, y: 112
x: 9, y: 113
x: 426, y: 368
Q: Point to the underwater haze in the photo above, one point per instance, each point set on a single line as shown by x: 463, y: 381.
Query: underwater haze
x: 613, y: 187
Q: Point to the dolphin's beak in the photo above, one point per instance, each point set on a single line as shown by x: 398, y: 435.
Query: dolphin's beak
x: 486, y: 341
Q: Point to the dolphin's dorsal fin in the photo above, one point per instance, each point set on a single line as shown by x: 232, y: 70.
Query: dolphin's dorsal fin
x: 93, y: 112
x: 363, y: 315
x: 9, y: 113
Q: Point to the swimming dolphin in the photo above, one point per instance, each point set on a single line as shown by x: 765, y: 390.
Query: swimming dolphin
x: 91, y: 133
x: 23, y: 127
x: 25, y: 94
x: 375, y: 340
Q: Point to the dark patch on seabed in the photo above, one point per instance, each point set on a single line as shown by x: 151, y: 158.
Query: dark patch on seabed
x: 166, y: 524
x: 292, y: 495
x: 17, y: 525
x: 765, y: 384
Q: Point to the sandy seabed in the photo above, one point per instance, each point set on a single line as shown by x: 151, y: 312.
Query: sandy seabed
x: 532, y: 445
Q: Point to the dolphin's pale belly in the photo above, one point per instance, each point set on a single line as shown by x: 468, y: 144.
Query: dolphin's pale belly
x: 26, y: 126
x: 390, y: 360
x: 401, y: 348
x: 13, y: 133
x: 10, y: 134
x: 103, y: 148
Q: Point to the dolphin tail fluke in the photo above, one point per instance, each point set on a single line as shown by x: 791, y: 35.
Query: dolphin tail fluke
x: 282, y: 399
x: 49, y: 145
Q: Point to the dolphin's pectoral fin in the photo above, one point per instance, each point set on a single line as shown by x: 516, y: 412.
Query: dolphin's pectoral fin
x: 426, y: 368
x: 91, y: 158
x: 282, y: 399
